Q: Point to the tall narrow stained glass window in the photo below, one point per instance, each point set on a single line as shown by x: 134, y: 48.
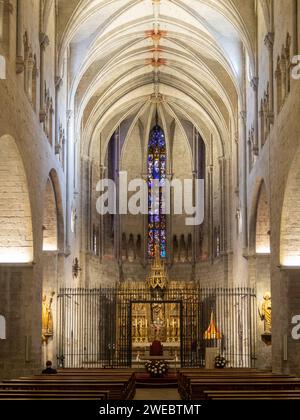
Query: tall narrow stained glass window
x: 157, y: 238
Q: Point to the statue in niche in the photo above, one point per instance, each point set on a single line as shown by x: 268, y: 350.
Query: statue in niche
x: 157, y: 312
x: 265, y: 313
x: 47, y: 318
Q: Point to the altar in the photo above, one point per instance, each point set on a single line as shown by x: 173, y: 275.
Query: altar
x: 158, y: 320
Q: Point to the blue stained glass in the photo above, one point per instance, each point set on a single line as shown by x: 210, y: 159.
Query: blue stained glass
x: 156, y: 205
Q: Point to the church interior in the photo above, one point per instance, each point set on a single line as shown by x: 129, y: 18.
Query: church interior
x: 100, y: 96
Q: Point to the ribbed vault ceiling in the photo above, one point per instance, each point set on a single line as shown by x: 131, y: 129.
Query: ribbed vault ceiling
x: 202, y: 50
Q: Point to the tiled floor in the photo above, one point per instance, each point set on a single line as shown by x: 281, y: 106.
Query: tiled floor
x: 152, y: 394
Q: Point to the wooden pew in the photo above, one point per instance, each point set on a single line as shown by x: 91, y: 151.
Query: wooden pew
x: 197, y: 387
x: 253, y: 395
x: 53, y: 395
x: 129, y: 379
x: 118, y: 388
x: 185, y: 378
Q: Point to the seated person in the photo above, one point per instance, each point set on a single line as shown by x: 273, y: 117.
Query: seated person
x: 49, y: 370
x: 156, y: 349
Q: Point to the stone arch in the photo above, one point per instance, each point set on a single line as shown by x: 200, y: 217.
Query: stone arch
x: 290, y: 218
x: 262, y: 226
x: 53, y: 223
x: 16, y: 237
x: 259, y: 231
x: 50, y: 242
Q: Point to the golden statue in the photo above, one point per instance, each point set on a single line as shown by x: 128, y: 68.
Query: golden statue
x: 265, y: 313
x: 47, y: 318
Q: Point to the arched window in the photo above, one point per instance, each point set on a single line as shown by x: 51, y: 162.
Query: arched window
x: 156, y: 176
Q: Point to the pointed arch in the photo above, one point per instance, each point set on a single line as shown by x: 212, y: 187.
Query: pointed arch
x: 262, y: 237
x: 53, y: 221
x: 16, y: 237
x: 290, y: 218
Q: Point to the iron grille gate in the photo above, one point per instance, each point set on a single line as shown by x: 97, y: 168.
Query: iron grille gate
x: 94, y: 325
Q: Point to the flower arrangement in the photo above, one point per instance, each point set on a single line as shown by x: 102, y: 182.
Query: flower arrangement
x: 220, y: 362
x: 156, y: 368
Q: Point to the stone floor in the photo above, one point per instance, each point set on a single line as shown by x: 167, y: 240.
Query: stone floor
x: 157, y: 394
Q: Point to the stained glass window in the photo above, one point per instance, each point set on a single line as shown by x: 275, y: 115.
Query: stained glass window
x: 156, y: 180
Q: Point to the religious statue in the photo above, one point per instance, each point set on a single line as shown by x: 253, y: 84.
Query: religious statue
x: 265, y: 313
x: 47, y: 318
x: 139, y: 328
x: 157, y: 312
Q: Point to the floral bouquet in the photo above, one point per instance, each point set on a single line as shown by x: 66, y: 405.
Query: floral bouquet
x: 220, y: 362
x: 156, y: 368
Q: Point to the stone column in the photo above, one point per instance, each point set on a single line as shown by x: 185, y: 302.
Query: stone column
x: 169, y: 225
x: 20, y: 52
x: 196, y: 232
x: 68, y: 181
x: 223, y: 239
x: 254, y: 84
x: 295, y: 27
x: 117, y: 224
x: 210, y: 184
x: 243, y: 131
x: 44, y: 42
x: 29, y: 71
x: 269, y: 42
x: 2, y: 9
x: 102, y: 171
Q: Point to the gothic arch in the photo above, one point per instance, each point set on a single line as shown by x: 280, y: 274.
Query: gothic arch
x: 262, y: 228
x: 260, y: 221
x: 290, y: 218
x: 53, y: 222
x: 16, y: 237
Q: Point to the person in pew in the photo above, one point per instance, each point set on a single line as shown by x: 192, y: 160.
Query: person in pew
x: 49, y: 369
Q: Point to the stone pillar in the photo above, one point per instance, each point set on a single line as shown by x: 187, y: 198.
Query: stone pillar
x: 117, y: 224
x: 68, y: 179
x: 169, y: 225
x: 102, y: 171
x: 19, y: 48
x: 210, y: 184
x: 285, y: 305
x: 196, y: 233
x: 145, y: 230
x: 254, y: 84
x: 223, y: 239
x: 44, y: 42
x: 295, y: 27
x: 269, y: 42
x: 243, y: 131
x: 2, y: 8
x: 29, y: 71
